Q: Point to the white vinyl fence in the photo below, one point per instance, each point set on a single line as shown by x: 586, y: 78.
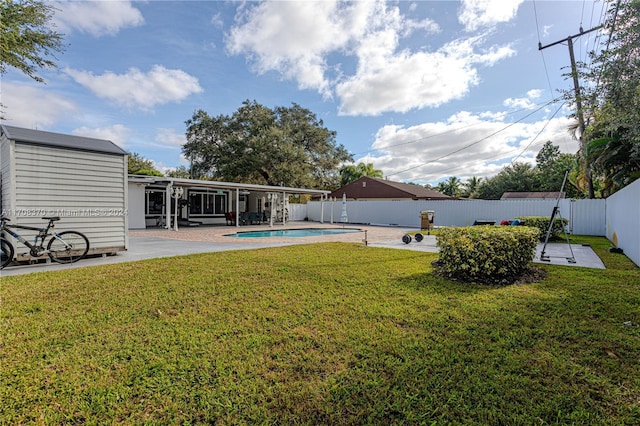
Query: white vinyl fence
x: 623, y: 220
x: 586, y: 217
x: 617, y: 217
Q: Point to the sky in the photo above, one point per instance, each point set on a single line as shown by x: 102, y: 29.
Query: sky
x: 423, y: 90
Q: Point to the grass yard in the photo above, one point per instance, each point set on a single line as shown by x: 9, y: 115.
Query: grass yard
x: 334, y: 333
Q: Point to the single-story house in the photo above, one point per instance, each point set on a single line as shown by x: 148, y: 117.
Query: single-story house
x: 172, y: 202
x: 374, y: 189
x: 82, y: 180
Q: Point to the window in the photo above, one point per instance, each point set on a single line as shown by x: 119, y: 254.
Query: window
x: 154, y: 201
x: 206, y: 204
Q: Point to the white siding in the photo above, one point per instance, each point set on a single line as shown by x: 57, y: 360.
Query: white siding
x: 6, y: 203
x: 86, y: 189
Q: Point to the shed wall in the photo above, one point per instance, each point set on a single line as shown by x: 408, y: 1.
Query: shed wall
x: 87, y: 190
x: 6, y: 203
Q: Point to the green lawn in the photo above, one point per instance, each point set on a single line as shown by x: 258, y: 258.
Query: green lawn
x: 331, y: 333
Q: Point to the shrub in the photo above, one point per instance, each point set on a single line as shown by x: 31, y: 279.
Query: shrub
x: 487, y: 254
x: 542, y: 223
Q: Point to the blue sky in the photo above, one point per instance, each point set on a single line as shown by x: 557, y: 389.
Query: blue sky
x: 424, y: 90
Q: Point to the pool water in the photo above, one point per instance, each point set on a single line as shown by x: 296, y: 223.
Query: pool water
x: 294, y: 233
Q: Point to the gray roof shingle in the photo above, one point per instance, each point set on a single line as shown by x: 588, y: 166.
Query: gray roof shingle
x: 58, y: 140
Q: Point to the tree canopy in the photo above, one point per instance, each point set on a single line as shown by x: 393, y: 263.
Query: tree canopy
x: 27, y: 41
x: 547, y: 176
x: 285, y: 146
x: 138, y: 165
x: 612, y: 100
x: 516, y: 177
x: 551, y: 166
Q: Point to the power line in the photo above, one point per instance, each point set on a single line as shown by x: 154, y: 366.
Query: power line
x: 471, y: 144
x: 578, y: 98
x: 544, y: 63
x: 539, y: 133
x: 452, y: 130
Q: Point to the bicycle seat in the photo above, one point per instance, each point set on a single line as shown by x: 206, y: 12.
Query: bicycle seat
x: 52, y: 218
x: 5, y: 219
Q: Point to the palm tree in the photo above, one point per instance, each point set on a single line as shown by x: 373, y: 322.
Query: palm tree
x: 471, y: 186
x: 450, y: 186
x: 350, y: 172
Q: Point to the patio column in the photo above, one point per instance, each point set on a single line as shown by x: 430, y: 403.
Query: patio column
x: 237, y: 207
x: 167, y: 208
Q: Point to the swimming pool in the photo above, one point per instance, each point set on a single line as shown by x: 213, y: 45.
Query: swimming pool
x: 294, y: 233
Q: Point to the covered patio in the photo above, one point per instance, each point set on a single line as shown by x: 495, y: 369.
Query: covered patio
x: 171, y: 203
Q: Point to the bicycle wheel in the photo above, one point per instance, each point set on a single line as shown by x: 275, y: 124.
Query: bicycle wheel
x: 6, y: 253
x: 68, y: 247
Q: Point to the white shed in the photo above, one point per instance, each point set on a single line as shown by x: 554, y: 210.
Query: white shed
x: 82, y: 180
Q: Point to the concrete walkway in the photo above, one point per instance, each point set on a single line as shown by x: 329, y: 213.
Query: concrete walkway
x: 557, y: 253
x: 149, y: 244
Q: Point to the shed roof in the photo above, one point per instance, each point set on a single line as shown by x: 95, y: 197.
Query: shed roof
x: 368, y: 187
x: 59, y: 140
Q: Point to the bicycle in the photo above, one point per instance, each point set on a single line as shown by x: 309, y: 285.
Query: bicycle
x: 63, y: 247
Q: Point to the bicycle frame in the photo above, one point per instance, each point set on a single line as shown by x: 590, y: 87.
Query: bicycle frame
x: 43, y: 233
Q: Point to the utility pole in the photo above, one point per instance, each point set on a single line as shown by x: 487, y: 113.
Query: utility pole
x: 576, y: 86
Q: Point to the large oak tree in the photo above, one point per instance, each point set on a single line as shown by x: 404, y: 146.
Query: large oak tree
x: 27, y: 40
x: 285, y: 146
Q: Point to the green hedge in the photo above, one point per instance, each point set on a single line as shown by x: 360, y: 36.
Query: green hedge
x: 487, y: 254
x: 542, y: 223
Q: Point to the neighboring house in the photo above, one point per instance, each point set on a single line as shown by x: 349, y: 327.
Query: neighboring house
x: 82, y: 180
x: 371, y: 189
x: 532, y: 195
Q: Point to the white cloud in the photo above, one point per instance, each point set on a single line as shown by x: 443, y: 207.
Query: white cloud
x: 406, y: 81
x: 292, y: 38
x: 97, y: 18
x: 464, y: 145
x: 139, y: 89
x: 169, y: 137
x: 34, y: 107
x: 315, y: 42
x: 217, y: 21
x: 116, y: 133
x: 524, y: 103
x: 475, y: 14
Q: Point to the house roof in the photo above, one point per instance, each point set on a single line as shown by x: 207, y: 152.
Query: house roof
x: 368, y: 187
x: 532, y: 195
x: 194, y: 183
x: 58, y: 140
